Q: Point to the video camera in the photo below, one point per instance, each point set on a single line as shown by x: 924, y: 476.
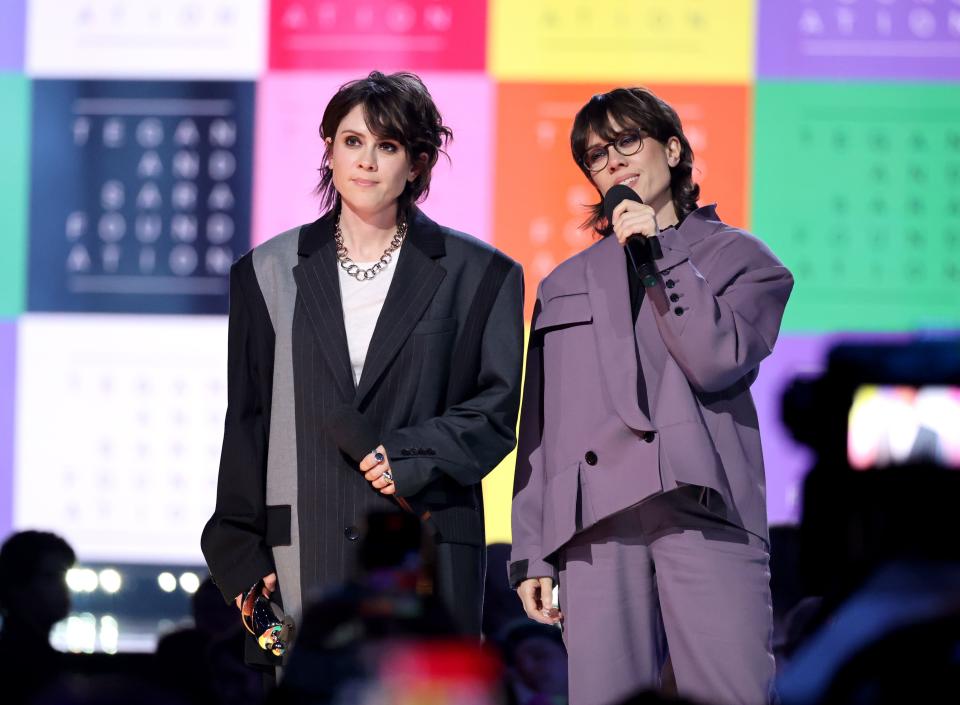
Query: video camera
x: 880, y: 404
x: 884, y: 422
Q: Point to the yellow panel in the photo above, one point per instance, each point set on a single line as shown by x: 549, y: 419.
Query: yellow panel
x: 498, y: 487
x: 497, y: 497
x: 622, y: 40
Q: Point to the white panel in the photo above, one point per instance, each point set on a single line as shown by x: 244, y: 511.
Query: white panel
x: 119, y: 424
x: 146, y: 38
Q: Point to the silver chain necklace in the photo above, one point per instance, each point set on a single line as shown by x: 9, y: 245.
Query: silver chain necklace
x: 352, y: 268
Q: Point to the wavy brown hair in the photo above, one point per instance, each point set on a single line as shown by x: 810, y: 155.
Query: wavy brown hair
x: 396, y: 107
x: 637, y: 108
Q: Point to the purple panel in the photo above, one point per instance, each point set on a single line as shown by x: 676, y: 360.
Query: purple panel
x: 11, y: 35
x: 843, y: 39
x: 786, y: 461
x: 8, y: 347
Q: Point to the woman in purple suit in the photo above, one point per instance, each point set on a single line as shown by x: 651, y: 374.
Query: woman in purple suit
x: 639, y: 483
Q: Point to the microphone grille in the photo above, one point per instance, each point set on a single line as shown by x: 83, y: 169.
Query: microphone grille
x: 615, y: 195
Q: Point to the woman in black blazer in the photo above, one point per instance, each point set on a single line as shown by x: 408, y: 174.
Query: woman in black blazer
x: 373, y: 323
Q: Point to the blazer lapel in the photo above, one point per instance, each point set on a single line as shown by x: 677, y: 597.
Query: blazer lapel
x: 613, y: 327
x: 319, y: 290
x: 414, y: 283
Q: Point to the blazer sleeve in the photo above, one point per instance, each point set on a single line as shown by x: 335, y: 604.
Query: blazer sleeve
x: 471, y: 437
x: 526, y: 515
x: 720, y: 321
x: 233, y: 539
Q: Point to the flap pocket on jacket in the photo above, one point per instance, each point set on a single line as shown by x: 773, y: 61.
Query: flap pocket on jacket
x: 435, y: 325
x: 565, y: 310
x: 278, y: 525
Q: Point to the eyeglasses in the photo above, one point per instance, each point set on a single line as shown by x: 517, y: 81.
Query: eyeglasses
x: 264, y: 619
x: 627, y: 143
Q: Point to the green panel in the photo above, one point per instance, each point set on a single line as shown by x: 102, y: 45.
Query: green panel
x: 856, y: 187
x: 15, y: 148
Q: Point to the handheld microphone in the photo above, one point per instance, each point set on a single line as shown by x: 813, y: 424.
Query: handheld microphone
x: 354, y: 435
x: 641, y: 250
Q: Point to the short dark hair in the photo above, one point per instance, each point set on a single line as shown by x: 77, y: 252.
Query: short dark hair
x: 23, y: 552
x: 638, y: 108
x: 397, y: 107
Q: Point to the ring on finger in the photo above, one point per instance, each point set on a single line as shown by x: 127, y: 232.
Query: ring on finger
x: 388, y: 476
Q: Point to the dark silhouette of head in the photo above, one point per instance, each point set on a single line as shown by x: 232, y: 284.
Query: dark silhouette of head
x: 33, y: 588
x: 536, y: 657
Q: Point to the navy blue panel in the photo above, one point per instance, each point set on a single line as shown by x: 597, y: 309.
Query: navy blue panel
x: 140, y: 194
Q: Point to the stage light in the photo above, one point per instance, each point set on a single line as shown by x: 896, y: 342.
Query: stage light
x: 82, y: 580
x: 189, y: 582
x: 109, y: 634
x: 167, y: 581
x: 110, y: 580
x: 81, y: 633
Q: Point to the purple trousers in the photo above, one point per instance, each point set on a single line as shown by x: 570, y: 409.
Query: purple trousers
x: 667, y: 576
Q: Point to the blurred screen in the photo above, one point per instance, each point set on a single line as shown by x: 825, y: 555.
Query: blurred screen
x: 890, y: 425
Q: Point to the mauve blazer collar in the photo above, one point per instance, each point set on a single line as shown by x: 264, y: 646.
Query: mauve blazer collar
x: 607, y: 288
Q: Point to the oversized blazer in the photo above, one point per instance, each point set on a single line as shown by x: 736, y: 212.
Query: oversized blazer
x: 288, y: 499
x: 615, y: 412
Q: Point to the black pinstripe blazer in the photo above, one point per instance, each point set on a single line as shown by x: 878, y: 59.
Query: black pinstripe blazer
x: 439, y: 452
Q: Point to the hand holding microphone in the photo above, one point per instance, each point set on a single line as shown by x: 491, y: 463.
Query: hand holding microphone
x: 633, y: 219
x: 635, y: 227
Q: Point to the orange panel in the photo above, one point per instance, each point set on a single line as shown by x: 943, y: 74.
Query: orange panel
x: 541, y: 195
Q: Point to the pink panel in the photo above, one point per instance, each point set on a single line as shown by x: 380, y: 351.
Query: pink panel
x: 289, y: 150
x: 386, y: 34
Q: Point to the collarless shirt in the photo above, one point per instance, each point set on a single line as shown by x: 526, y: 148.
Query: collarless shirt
x: 362, y: 302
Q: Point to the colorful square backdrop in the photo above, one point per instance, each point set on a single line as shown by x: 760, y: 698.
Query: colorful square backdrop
x: 859, y: 40
x: 152, y: 182
x: 131, y: 403
x: 14, y: 188
x: 148, y: 143
x: 857, y: 189
x: 146, y: 38
x: 384, y: 34
x: 12, y: 18
x: 657, y: 41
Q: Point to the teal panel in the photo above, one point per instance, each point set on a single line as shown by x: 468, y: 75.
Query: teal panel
x: 857, y: 188
x: 15, y: 148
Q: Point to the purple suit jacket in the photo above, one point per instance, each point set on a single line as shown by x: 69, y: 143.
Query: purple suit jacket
x: 699, y: 338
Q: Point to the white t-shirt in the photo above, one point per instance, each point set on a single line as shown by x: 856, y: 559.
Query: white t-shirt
x: 362, y: 302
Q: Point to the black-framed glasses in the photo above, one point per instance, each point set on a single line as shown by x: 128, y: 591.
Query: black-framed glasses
x: 626, y: 143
